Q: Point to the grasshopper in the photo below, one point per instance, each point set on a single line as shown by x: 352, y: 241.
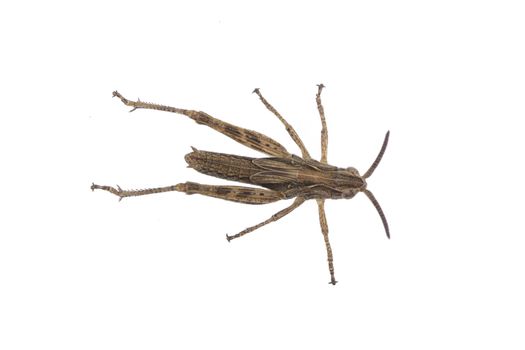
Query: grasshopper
x: 282, y: 175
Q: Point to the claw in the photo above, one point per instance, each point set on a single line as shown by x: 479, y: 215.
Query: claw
x: 95, y: 187
x: 119, y: 193
x: 255, y: 91
x: 228, y: 237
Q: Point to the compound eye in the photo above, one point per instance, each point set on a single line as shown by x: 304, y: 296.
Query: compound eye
x: 353, y: 170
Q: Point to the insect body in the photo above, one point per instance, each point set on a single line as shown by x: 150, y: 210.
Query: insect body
x: 280, y: 176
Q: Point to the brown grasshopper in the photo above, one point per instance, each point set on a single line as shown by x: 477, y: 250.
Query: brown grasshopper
x: 283, y: 175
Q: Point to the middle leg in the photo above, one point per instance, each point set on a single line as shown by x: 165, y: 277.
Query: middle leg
x: 289, y: 128
x: 298, y: 201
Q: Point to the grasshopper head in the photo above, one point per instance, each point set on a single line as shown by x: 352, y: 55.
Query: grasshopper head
x: 367, y: 192
x: 351, y: 182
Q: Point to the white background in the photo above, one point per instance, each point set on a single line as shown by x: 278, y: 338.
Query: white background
x: 80, y: 270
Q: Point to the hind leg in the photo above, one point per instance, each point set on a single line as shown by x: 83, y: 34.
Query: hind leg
x: 248, y: 138
x: 246, y: 195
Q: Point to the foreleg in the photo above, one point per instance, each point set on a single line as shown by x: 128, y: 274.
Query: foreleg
x: 324, y: 129
x: 324, y: 229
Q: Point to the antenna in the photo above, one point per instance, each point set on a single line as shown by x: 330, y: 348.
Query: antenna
x: 378, y: 158
x: 379, y: 210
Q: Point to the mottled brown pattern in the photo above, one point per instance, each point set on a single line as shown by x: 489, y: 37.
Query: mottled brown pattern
x: 224, y: 166
x: 283, y: 175
x: 246, y: 195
